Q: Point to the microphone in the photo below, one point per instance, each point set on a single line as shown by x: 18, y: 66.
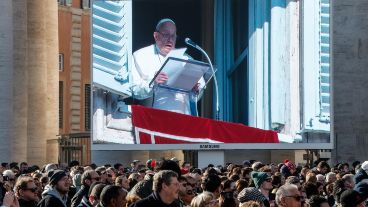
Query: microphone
x: 189, y: 42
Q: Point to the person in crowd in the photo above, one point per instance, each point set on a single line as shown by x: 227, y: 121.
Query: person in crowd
x: 355, y: 197
x: 88, y: 178
x: 293, y: 180
x: 311, y: 177
x: 361, y: 174
x: 288, y: 169
x: 10, y: 200
x: 123, y: 182
x: 212, y: 183
x: 188, y: 195
x: 133, y: 178
x: 263, y: 182
x: 344, y: 168
x: 303, y: 173
x: 288, y: 195
x: 165, y: 191
x: 183, y: 191
x: 318, y: 201
x: 26, y: 192
x: 134, y: 166
x: 205, y: 199
x: 349, y: 181
x: 227, y: 199
x: 185, y: 168
x: 132, y: 198
x: 320, y: 178
x: 331, y: 177
x: 322, y: 168
x: 119, y: 168
x: 310, y: 189
x: 252, y: 194
x: 93, y: 195
x: 143, y: 188
x: 251, y: 204
x: 23, y: 168
x: 56, y: 192
x: 240, y: 185
x: 257, y: 165
x: 112, y: 196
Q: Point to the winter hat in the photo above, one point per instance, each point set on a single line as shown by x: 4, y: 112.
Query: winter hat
x: 259, y: 178
x: 251, y: 194
x: 364, y: 166
x: 290, y: 165
x: 57, y: 176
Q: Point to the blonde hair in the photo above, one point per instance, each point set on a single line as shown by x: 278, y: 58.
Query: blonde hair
x: 250, y: 204
x: 201, y: 200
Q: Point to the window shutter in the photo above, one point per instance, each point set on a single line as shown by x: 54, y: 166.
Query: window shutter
x: 112, y: 37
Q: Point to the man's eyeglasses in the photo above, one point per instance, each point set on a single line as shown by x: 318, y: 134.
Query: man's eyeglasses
x: 166, y: 37
x: 33, y: 190
x: 297, y: 197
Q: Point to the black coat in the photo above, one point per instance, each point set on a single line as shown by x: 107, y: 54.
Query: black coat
x: 24, y: 203
x: 154, y: 200
x: 50, y: 201
x: 77, y: 199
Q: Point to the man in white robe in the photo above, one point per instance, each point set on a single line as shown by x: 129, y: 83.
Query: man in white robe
x: 148, y: 60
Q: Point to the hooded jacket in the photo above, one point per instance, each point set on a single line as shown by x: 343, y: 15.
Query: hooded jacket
x: 51, y: 197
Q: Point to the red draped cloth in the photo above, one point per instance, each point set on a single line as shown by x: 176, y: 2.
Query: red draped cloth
x: 154, y: 126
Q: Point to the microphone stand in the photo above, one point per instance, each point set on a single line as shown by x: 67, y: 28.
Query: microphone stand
x: 217, y: 115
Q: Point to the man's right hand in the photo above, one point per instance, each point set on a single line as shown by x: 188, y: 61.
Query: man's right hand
x: 161, y: 78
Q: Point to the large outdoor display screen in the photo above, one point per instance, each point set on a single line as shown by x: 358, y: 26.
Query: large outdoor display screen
x: 287, y: 67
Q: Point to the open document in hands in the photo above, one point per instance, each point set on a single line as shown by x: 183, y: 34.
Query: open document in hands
x: 183, y: 73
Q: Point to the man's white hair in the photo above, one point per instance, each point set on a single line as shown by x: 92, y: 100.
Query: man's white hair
x: 329, y: 175
x: 320, y: 177
x: 163, y: 21
x: 283, y: 191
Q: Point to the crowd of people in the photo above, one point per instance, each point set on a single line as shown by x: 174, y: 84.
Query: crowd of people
x: 171, y: 183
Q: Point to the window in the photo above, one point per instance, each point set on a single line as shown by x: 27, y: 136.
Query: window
x: 85, y: 4
x: 62, y: 2
x: 112, y: 36
x: 231, y: 58
x: 316, y: 65
x: 61, y: 62
x: 87, y: 107
x: 61, y: 105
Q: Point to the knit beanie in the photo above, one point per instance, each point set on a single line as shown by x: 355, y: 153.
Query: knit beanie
x: 251, y: 194
x: 259, y: 178
x: 290, y: 165
x: 57, y: 176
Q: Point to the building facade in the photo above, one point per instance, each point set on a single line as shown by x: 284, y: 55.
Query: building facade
x: 74, y: 19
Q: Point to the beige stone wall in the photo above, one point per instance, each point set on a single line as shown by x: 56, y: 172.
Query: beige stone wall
x: 6, y: 79
x: 20, y: 77
x: 29, y: 79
